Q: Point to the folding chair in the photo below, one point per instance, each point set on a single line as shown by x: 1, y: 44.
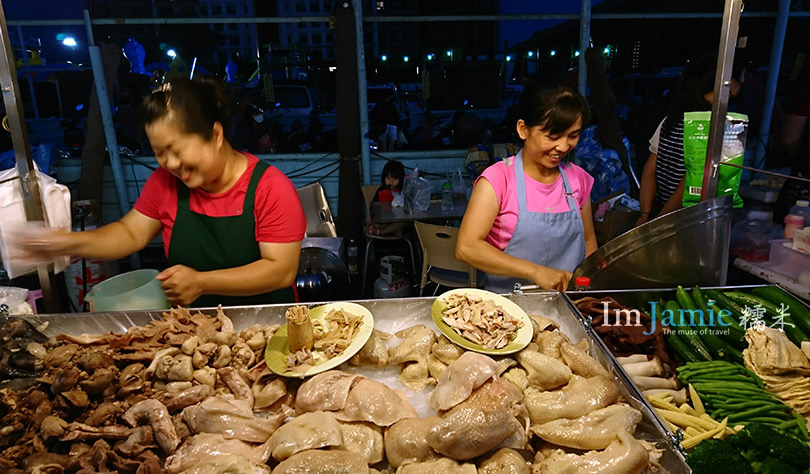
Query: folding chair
x: 439, y: 264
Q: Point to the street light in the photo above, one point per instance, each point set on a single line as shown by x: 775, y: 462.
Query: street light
x: 531, y: 53
x: 552, y: 53
x: 405, y: 59
x: 384, y: 57
x: 508, y: 58
x: 430, y: 57
x: 576, y: 54
x: 171, y: 53
x: 69, y: 41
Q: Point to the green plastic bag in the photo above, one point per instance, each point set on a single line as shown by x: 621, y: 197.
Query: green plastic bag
x: 695, y: 144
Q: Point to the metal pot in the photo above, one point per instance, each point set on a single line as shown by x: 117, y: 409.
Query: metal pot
x: 322, y: 276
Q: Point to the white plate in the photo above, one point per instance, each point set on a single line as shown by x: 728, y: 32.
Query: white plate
x: 278, y: 350
x: 521, y: 340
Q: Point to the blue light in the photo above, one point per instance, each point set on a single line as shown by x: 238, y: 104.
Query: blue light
x: 79, y: 107
x: 552, y: 53
x: 449, y: 53
x: 69, y: 41
x: 606, y: 50
x: 406, y: 58
x: 171, y: 53
x: 531, y: 53
x: 576, y: 53
x: 508, y: 58
x: 384, y: 57
x: 430, y: 57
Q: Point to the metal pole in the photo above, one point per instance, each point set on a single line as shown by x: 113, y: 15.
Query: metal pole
x: 29, y: 184
x: 362, y: 96
x: 773, y: 78
x: 584, y: 43
x: 725, y: 61
x: 105, y: 108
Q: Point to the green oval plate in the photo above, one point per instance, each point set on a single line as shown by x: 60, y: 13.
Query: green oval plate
x: 278, y: 350
x: 524, y: 334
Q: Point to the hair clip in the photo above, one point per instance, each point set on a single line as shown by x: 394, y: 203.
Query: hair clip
x: 165, y: 87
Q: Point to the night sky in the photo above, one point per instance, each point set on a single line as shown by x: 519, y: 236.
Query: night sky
x: 511, y: 31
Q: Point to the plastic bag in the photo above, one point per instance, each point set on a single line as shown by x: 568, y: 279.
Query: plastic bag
x: 457, y: 180
x: 397, y: 200
x: 13, y: 226
x: 416, y: 192
x: 15, y: 299
x: 695, y: 144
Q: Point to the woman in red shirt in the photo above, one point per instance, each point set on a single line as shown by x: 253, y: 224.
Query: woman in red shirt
x: 231, y: 224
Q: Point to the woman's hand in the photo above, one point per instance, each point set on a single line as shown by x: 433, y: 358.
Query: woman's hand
x: 38, y: 243
x: 552, y: 278
x: 644, y: 218
x: 181, y: 284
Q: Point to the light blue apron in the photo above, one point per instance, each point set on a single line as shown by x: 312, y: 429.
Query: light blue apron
x: 551, y: 239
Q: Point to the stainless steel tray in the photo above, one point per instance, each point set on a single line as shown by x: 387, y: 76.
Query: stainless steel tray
x: 392, y: 315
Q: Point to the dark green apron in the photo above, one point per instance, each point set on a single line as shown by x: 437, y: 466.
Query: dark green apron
x: 207, y: 243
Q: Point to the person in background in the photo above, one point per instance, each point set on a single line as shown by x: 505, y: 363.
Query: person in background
x: 663, y: 176
x: 393, y: 177
x: 231, y: 224
x: 385, y: 118
x: 529, y: 217
x: 794, y: 140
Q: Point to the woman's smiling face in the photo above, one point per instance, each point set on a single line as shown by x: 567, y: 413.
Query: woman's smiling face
x: 545, y: 148
x: 185, y: 155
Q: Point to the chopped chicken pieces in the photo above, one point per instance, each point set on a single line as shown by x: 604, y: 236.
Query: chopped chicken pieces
x: 480, y: 321
x: 330, y: 336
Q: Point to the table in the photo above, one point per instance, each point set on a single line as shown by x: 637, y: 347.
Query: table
x: 384, y: 213
x: 762, y: 270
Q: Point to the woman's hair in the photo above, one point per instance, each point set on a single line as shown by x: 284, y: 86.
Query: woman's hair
x: 697, y: 80
x: 195, y: 105
x: 553, y: 104
x: 394, y: 169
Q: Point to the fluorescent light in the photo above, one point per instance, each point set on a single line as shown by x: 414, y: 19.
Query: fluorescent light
x: 69, y: 41
x: 171, y: 53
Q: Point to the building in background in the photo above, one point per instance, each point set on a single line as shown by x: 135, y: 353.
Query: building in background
x: 239, y: 41
x: 317, y: 37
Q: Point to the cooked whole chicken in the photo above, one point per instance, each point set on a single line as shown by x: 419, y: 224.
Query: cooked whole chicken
x: 478, y: 424
x: 580, y: 397
x: 461, y: 377
x: 626, y: 455
x: 312, y: 430
x: 504, y: 461
x: 315, y: 461
x: 406, y: 441
x: 544, y: 372
x: 595, y: 430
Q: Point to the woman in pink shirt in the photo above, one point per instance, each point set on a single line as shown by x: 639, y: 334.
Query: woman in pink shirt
x: 529, y: 217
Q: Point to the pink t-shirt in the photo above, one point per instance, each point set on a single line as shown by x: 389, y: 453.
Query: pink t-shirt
x: 278, y: 213
x: 539, y: 197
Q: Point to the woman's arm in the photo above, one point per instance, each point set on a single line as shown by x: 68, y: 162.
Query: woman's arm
x: 110, y: 242
x: 587, y: 223
x: 277, y: 268
x: 648, y: 189
x: 675, y: 201
x: 473, y: 249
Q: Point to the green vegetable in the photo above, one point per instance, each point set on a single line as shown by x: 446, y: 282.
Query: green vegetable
x: 681, y: 350
x: 799, y: 313
x: 719, y: 349
x: 726, y: 319
x: 714, y: 456
x: 771, y: 311
x: 758, y: 442
x: 689, y: 336
x: 758, y: 448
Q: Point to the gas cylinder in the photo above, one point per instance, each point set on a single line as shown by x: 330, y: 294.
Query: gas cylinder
x: 84, y: 273
x: 393, y: 281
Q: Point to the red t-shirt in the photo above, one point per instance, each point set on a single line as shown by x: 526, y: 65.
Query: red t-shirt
x: 278, y: 213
